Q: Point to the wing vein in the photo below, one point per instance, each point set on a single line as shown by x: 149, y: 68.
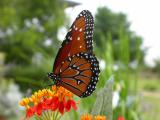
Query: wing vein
x: 72, y: 86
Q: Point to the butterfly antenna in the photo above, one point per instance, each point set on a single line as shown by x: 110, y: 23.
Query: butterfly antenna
x: 49, y: 81
x: 50, y: 84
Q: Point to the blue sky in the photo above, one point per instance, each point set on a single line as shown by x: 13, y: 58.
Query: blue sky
x: 143, y: 15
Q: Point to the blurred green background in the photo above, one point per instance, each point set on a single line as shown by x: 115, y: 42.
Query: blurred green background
x: 29, y: 43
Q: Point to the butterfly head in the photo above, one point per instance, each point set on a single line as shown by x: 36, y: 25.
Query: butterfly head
x: 50, y: 75
x: 54, y: 77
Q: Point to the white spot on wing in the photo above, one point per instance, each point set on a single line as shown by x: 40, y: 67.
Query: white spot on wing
x: 76, y: 28
x: 80, y: 30
x: 78, y: 38
x: 78, y: 82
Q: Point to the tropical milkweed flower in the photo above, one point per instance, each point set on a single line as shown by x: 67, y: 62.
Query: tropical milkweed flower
x: 99, y: 117
x: 120, y: 118
x: 91, y: 117
x: 86, y: 117
x: 55, y: 99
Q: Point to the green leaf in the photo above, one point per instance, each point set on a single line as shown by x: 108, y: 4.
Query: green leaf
x: 103, y: 104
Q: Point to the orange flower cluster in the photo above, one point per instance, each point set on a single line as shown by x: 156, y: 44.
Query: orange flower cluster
x: 58, y: 98
x: 90, y: 117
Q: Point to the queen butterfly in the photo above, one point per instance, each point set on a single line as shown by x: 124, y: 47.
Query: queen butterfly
x: 76, y: 68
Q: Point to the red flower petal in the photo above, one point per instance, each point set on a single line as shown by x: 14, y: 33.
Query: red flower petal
x: 73, y: 104
x: 39, y: 109
x: 54, y: 100
x: 47, y: 101
x: 53, y: 107
x: 54, y: 103
x: 61, y: 107
x: 68, y: 105
x: 30, y: 112
x: 46, y: 104
x: 120, y: 118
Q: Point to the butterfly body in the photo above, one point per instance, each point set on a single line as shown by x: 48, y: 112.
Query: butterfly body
x: 76, y: 68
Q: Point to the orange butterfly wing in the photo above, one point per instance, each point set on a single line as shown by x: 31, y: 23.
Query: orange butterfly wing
x: 79, y: 74
x: 78, y: 39
x: 75, y: 67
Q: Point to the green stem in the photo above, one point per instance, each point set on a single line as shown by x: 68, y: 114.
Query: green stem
x: 38, y: 117
x: 44, y: 116
x: 52, y: 115
x: 56, y: 116
x: 49, y: 115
